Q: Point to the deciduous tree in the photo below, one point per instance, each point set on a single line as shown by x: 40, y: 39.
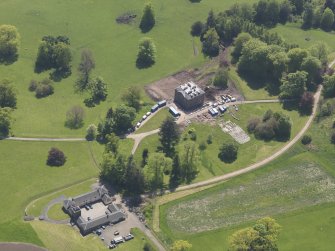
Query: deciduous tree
x: 169, y: 135
x: 228, y: 152
x: 9, y: 43
x: 7, y: 95
x: 147, y: 51
x: 5, y: 121
x: 75, y: 117
x: 56, y: 157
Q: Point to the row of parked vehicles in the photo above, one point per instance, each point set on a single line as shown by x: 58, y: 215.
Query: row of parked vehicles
x: 219, y: 107
x: 119, y: 240
x: 155, y: 108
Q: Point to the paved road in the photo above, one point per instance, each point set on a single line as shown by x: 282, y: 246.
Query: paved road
x: 139, y: 137
x: 265, y: 161
x: 44, y: 214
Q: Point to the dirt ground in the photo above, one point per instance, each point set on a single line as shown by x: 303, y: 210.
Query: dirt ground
x: 164, y: 88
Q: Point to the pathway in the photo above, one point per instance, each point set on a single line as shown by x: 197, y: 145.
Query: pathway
x: 139, y: 137
x: 45, y: 216
x: 46, y: 139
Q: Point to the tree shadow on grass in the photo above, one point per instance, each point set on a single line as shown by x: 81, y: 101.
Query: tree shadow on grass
x: 140, y: 64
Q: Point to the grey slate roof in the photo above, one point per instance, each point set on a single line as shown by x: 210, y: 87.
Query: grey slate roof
x: 189, y: 90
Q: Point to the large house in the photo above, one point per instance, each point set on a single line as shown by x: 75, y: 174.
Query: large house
x: 189, y: 96
x: 108, y: 212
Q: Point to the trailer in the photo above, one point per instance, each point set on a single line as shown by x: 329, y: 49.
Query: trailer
x: 161, y: 103
x: 173, y: 111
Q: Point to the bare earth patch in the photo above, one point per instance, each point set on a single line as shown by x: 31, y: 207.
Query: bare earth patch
x: 279, y: 191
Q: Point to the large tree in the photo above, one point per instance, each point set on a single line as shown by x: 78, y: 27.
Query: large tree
x: 132, y: 97
x: 190, y: 160
x: 262, y: 236
x: 312, y: 66
x: 147, y: 51
x: 308, y: 16
x: 75, y: 117
x: 156, y: 166
x: 113, y: 170
x: 123, y: 118
x: 7, y: 95
x: 9, y: 43
x: 98, y: 91
x: 56, y: 157
x: 148, y: 18
x: 112, y: 144
x: 285, y: 11
x: 329, y: 86
x: 5, y: 122
x: 86, y: 65
x: 239, y: 42
x: 221, y: 79
x: 327, y: 19
x: 320, y: 50
x: 293, y: 85
x: 228, y: 152
x: 169, y: 135
x: 134, y: 178
x: 296, y: 57
x: 211, y: 43
x: 181, y: 245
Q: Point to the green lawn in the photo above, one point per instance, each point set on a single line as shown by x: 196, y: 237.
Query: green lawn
x: 292, y: 33
x: 56, y: 212
x: 297, y: 190
x: 25, y: 176
x: 91, y: 24
x: 155, y: 122
x: 249, y: 153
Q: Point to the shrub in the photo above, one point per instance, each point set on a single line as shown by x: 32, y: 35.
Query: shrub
x: 32, y: 85
x: 56, y: 157
x: 326, y: 110
x: 306, y: 139
x: 44, y: 90
x: 228, y: 152
x: 202, y: 146
x: 209, y: 139
x: 306, y: 103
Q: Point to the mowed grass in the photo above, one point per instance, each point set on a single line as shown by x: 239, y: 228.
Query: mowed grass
x: 292, y: 33
x: 155, y: 122
x: 253, y: 151
x: 91, y: 24
x: 26, y: 176
x: 56, y: 212
x: 307, y: 228
x: 63, y: 237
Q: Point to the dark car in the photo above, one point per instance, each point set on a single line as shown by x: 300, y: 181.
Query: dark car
x: 86, y: 207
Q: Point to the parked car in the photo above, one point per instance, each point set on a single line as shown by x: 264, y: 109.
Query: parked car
x: 148, y: 114
x: 90, y: 206
x: 116, y: 232
x: 103, y: 227
x: 112, y: 246
x: 138, y: 124
x: 144, y: 117
x: 87, y: 207
x: 98, y: 232
x: 233, y: 99
x: 129, y: 237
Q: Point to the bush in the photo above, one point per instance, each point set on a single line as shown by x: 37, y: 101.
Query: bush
x: 91, y: 132
x: 306, y: 139
x: 228, y: 152
x: 44, y: 90
x: 326, y: 110
x: 56, y: 157
x: 306, y: 103
x: 209, y: 139
x: 202, y: 146
x: 33, y: 85
x: 197, y: 28
x: 74, y: 117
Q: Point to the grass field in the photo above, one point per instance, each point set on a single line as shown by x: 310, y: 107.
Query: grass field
x: 56, y: 212
x: 155, y: 122
x: 297, y: 189
x: 114, y: 47
x: 26, y: 176
x: 249, y: 153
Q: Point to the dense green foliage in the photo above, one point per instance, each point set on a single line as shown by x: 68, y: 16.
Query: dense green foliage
x: 293, y: 85
x: 132, y: 97
x: 75, y: 117
x: 86, y: 65
x: 228, y: 152
x: 7, y: 95
x: 9, y: 43
x: 329, y: 86
x: 5, y: 122
x: 169, y: 136
x: 272, y: 125
x: 262, y: 236
x: 221, y: 79
x: 148, y: 18
x: 147, y: 51
x: 54, y: 53
x: 56, y: 157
